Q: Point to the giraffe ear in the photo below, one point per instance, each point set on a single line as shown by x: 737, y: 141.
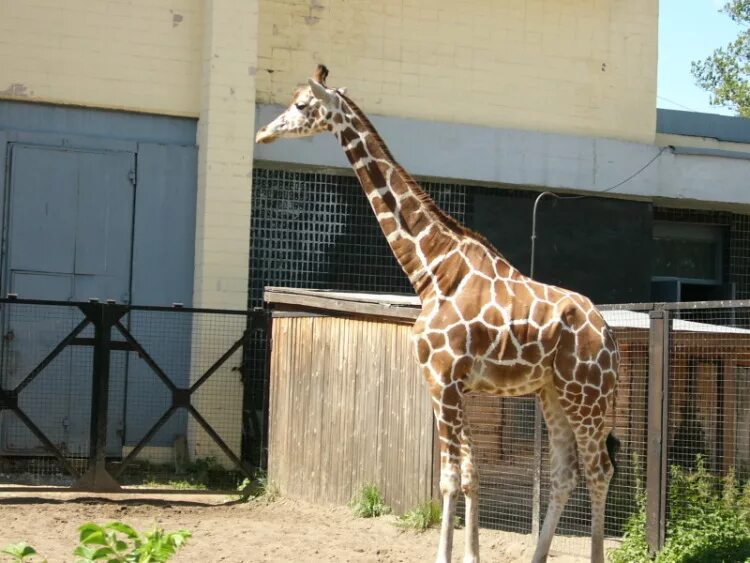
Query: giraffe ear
x: 319, y: 91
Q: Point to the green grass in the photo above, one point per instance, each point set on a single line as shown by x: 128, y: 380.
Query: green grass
x: 176, y: 484
x: 422, y: 517
x: 201, y: 474
x: 368, y: 502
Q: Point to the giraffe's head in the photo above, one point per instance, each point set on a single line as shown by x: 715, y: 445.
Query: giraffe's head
x: 311, y: 111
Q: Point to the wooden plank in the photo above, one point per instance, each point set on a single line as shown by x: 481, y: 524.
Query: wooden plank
x: 406, y: 314
x: 349, y: 407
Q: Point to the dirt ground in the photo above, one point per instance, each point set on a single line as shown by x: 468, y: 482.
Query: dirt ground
x: 226, y: 531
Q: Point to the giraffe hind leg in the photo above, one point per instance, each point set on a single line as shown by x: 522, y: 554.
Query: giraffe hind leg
x: 470, y: 488
x: 597, y: 453
x: 563, y: 467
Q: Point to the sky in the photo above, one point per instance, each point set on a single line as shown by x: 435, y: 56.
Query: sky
x: 689, y: 30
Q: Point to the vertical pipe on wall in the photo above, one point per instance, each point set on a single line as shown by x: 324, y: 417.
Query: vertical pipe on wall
x: 536, y: 499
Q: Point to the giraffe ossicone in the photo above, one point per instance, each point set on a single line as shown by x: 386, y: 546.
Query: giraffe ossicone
x: 484, y: 327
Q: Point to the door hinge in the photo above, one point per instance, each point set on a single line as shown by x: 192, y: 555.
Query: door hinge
x: 131, y: 177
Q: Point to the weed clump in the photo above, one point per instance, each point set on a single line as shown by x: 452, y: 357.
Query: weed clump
x: 422, y: 517
x: 368, y: 502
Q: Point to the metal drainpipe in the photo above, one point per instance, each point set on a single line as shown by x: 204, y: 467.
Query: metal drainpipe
x: 536, y: 505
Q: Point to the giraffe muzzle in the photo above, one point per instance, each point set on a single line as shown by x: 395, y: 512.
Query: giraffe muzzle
x: 265, y: 136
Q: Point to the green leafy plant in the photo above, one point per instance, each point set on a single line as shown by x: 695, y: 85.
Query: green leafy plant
x: 709, y: 521
x: 726, y: 72
x: 634, y: 547
x: 118, y: 542
x: 21, y: 552
x: 422, y: 517
x: 368, y: 502
x: 259, y: 488
x: 114, y: 543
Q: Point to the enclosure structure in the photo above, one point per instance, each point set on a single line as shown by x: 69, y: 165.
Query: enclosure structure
x: 139, y: 378
x: 348, y: 407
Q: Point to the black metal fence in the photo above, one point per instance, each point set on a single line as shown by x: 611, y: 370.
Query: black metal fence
x: 97, y: 396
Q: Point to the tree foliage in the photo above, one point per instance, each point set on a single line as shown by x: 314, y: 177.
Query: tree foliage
x: 726, y: 73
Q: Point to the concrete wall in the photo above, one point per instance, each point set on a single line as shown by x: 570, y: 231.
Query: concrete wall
x: 142, y: 55
x: 570, y: 67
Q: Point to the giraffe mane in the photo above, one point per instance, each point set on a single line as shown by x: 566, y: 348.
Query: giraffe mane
x: 423, y: 197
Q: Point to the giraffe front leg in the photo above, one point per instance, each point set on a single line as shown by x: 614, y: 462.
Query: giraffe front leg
x: 470, y: 487
x: 448, y: 409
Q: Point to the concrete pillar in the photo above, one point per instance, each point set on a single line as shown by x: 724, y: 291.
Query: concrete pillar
x: 222, y: 244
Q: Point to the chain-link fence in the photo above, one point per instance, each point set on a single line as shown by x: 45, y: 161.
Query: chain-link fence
x: 99, y: 395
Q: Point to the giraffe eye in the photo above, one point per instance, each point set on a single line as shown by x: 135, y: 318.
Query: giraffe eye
x: 300, y: 106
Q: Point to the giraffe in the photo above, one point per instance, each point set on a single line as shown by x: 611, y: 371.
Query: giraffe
x: 483, y: 327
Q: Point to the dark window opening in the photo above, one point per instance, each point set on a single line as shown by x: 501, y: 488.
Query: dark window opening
x: 688, y: 263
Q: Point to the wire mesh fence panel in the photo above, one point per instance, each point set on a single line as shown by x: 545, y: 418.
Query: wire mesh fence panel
x: 628, y: 417
x: 184, y: 399
x: 173, y: 403
x: 708, y: 419
x: 503, y: 435
x: 51, y: 387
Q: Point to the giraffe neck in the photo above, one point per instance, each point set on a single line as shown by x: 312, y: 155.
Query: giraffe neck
x: 416, y: 229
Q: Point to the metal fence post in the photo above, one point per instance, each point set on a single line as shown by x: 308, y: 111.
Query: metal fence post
x: 658, y: 403
x: 103, y: 317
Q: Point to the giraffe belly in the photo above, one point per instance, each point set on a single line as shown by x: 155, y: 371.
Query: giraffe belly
x: 507, y: 380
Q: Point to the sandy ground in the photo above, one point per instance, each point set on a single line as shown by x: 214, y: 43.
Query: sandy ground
x: 226, y: 531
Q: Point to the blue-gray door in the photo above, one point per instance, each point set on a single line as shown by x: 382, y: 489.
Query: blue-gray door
x: 69, y: 237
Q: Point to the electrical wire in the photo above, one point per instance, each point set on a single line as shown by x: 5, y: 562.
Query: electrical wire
x: 618, y: 184
x: 569, y: 197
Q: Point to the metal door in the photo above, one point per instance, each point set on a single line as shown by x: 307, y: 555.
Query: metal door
x: 69, y: 237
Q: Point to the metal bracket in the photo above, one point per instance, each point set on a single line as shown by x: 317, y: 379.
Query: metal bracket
x: 181, y: 398
x: 8, y: 399
x: 258, y: 319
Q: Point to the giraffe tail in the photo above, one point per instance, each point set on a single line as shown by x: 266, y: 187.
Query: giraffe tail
x: 613, y: 446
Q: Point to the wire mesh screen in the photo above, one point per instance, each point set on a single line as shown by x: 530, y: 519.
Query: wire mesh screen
x: 173, y: 405
x: 628, y: 419
x: 503, y: 434
x: 709, y: 386
x: 181, y: 347
x: 316, y: 231
x: 56, y: 398
x: 503, y: 430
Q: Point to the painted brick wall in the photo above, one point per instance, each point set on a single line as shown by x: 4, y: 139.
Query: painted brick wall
x: 222, y: 246
x: 573, y: 66
x: 141, y: 55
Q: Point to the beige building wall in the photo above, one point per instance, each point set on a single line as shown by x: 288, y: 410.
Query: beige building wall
x: 578, y: 66
x: 141, y: 55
